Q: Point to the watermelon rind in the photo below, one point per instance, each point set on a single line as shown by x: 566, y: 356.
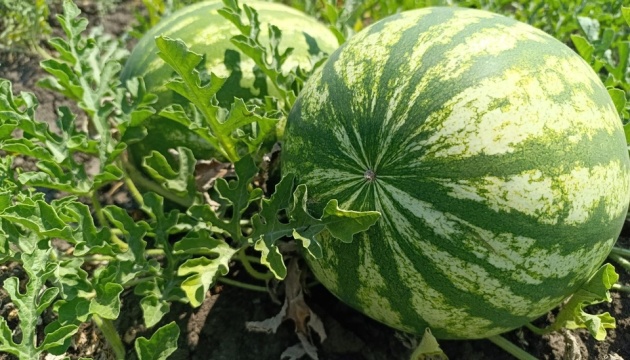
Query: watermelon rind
x: 494, y: 153
x: 206, y: 32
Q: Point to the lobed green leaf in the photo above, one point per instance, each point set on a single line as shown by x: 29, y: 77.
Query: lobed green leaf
x: 106, y: 304
x: 201, y: 272
x: 181, y: 181
x: 161, y: 344
x: 268, y: 229
x: 57, y: 337
x: 593, y: 291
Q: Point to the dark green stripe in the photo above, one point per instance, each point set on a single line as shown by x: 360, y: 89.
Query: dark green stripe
x: 400, y: 167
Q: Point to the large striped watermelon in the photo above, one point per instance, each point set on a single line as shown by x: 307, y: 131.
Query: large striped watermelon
x: 206, y: 32
x: 494, y: 154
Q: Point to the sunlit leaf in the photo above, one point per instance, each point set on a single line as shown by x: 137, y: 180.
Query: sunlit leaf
x: 162, y: 344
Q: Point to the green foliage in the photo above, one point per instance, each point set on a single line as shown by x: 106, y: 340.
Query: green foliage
x: 160, y: 345
x: 594, y: 291
x: 268, y: 59
x: 342, y: 224
x: 219, y: 128
x: 28, y: 225
x: 86, y: 72
x: 23, y: 24
x: 167, y: 253
x: 31, y: 305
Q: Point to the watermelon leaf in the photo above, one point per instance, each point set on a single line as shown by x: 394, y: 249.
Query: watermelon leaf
x: 625, y: 11
x: 618, y: 97
x: 626, y: 131
x: 270, y: 226
x: 87, y: 72
x: 106, y: 304
x: 153, y: 306
x: 30, y: 305
x: 92, y: 84
x: 429, y: 349
x: 593, y: 291
x: 267, y: 55
x: 344, y: 224
x: 237, y: 193
x: 181, y: 181
x: 177, y: 113
x: 269, y: 59
x: 201, y: 272
x: 583, y: 46
x: 161, y: 344
x: 227, y: 129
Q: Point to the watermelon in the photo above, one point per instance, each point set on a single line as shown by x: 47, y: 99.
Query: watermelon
x: 494, y: 154
x: 206, y: 32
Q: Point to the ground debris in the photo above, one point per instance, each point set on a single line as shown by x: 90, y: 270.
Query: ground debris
x: 294, y: 308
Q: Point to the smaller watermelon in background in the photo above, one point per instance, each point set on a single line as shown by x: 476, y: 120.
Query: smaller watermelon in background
x: 206, y: 32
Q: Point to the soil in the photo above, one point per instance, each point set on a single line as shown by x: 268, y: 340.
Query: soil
x: 217, y: 329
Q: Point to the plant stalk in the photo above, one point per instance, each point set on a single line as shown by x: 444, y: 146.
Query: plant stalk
x: 623, y: 262
x: 619, y: 287
x: 620, y: 251
x: 150, y: 185
x: 98, y: 211
x: 244, y: 259
x: 536, y: 330
x: 133, y: 189
x: 111, y: 335
x: 509, y: 347
x: 136, y: 281
x: 242, y: 285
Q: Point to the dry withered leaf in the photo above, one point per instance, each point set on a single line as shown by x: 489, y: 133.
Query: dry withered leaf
x: 294, y: 308
x: 207, y: 171
x: 270, y: 325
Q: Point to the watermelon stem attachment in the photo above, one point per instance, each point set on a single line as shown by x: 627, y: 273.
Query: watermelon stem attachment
x: 509, y: 347
x: 369, y: 175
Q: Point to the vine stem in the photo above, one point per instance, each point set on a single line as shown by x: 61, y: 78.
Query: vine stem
x: 619, y: 287
x: 244, y: 259
x: 536, y: 330
x: 242, y: 285
x: 111, y: 335
x: 619, y: 259
x: 98, y: 257
x: 98, y: 211
x: 509, y: 347
x: 150, y: 185
x: 132, y: 188
x: 40, y: 51
x: 136, y: 281
x: 620, y: 251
